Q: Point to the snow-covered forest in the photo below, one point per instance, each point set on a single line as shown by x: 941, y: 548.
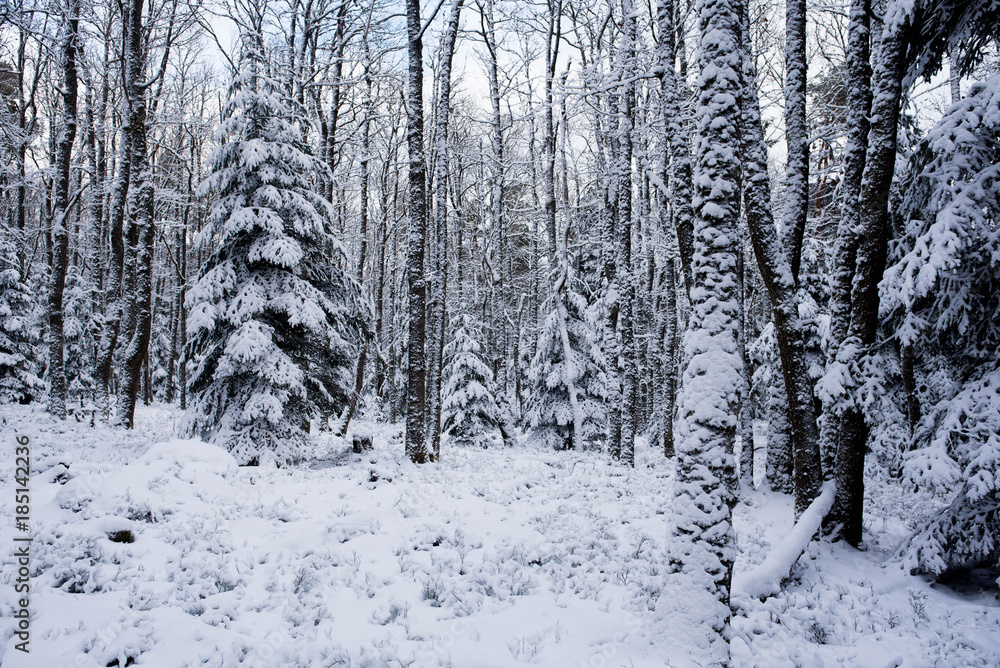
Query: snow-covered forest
x: 491, y: 333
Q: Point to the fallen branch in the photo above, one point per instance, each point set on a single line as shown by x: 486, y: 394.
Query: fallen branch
x: 765, y: 579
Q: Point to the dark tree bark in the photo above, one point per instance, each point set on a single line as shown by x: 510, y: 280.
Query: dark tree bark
x: 859, y: 100
x: 142, y: 231
x: 416, y: 404
x: 776, y: 272
x: 61, y: 210
x: 625, y: 274
x: 872, y: 245
x: 796, y: 134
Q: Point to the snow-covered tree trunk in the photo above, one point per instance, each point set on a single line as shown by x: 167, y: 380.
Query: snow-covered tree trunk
x: 677, y: 134
x: 116, y: 275
x: 796, y: 208
x: 780, y: 460
x: 507, y: 378
x: 61, y: 209
x: 710, y: 394
x: 94, y: 146
x: 438, y: 255
x: 141, y: 222
x: 365, y: 177
x: 625, y: 276
x: 416, y: 382
x: 746, y: 403
x: 675, y: 214
x: 859, y: 99
x: 872, y: 245
x: 552, y: 41
x: 776, y: 272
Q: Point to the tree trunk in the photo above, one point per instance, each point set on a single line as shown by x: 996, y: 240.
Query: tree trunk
x: 553, y: 39
x: 859, y: 99
x: 61, y: 210
x: 439, y: 259
x: 796, y: 134
x: 674, y: 120
x: 775, y: 269
x: 873, y: 240
x: 142, y: 231
x: 416, y: 409
x: 625, y: 275
x: 710, y: 393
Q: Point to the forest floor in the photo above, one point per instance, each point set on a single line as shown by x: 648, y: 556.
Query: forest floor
x: 152, y: 551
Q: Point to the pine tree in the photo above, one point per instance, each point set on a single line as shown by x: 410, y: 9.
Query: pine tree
x: 78, y: 329
x: 469, y: 410
x: 274, y: 320
x: 942, y: 291
x: 566, y: 407
x: 18, y: 357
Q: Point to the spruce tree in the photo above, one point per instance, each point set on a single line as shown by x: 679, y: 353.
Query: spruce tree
x: 18, y: 357
x: 274, y: 320
x: 567, y: 377
x: 469, y: 410
x: 942, y: 292
x: 78, y: 332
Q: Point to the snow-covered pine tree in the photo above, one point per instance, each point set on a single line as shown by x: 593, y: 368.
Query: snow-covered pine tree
x: 274, y: 319
x: 566, y: 377
x: 78, y: 330
x: 469, y: 410
x: 18, y: 357
x: 942, y: 291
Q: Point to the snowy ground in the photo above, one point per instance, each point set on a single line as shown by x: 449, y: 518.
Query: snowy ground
x: 491, y: 558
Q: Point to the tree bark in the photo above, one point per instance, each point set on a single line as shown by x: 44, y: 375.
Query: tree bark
x: 142, y: 232
x: 710, y: 393
x: 61, y: 210
x: 625, y: 275
x: 859, y: 100
x: 796, y: 134
x: 416, y: 408
x: 439, y: 259
x: 776, y: 272
x: 872, y: 247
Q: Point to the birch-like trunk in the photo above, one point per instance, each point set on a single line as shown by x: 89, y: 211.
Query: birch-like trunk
x: 439, y: 259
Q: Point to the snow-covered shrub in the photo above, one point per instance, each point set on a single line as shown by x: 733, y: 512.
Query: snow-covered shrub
x: 274, y: 320
x: 469, y: 410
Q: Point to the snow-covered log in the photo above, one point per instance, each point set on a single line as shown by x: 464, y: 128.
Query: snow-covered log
x: 765, y: 579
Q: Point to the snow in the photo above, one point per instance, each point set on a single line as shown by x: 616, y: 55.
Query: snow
x: 490, y: 558
x: 765, y: 579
